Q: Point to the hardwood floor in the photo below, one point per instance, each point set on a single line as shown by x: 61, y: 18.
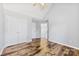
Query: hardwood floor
x: 32, y: 49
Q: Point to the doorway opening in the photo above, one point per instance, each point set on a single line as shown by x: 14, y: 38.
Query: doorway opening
x: 40, y: 30
x: 44, y: 30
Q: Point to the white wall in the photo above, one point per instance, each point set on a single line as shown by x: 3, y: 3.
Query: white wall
x: 63, y: 24
x: 27, y: 9
x: 33, y: 30
x: 36, y: 30
x: 1, y: 27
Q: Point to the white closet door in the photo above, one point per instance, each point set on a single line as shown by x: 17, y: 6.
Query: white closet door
x: 10, y: 30
x: 29, y: 29
x: 18, y: 30
x: 22, y: 30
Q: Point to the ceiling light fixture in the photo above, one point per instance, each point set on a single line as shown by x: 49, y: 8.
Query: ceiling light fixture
x: 40, y: 5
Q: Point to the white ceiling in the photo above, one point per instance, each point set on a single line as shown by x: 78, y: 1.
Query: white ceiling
x: 28, y: 9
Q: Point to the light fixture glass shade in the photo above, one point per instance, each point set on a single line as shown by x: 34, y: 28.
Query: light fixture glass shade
x: 40, y: 5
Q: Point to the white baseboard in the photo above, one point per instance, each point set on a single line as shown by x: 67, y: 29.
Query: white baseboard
x: 2, y: 50
x: 66, y: 45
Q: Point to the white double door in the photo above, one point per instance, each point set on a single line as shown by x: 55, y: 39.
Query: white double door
x: 17, y: 30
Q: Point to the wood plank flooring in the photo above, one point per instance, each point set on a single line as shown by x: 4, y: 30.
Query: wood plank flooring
x: 32, y: 49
